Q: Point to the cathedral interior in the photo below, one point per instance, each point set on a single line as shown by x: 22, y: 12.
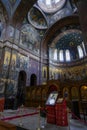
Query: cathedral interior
x: 43, y: 48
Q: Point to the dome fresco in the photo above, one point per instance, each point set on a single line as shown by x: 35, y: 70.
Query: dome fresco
x: 37, y: 19
x: 68, y: 39
x: 43, y: 20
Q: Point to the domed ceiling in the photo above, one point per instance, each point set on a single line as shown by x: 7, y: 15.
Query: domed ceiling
x: 15, y: 7
x: 51, y: 6
x: 68, y: 39
x: 37, y: 19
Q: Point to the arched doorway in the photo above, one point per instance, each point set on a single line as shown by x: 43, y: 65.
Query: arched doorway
x: 33, y: 80
x: 21, y: 88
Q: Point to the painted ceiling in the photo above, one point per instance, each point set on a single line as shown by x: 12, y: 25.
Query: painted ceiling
x: 39, y: 19
x: 11, y: 6
x: 69, y: 39
x: 14, y: 9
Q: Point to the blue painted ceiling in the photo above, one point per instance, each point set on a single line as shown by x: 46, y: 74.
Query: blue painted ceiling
x: 69, y: 40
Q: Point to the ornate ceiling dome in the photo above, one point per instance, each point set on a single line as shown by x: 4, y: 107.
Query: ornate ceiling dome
x: 70, y: 41
x: 37, y: 19
x: 69, y: 38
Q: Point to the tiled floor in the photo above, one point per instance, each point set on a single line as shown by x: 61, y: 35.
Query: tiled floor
x: 33, y: 122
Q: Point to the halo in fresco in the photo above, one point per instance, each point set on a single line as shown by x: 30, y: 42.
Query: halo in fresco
x: 30, y: 37
x: 37, y: 19
x: 31, y: 32
x: 51, y: 6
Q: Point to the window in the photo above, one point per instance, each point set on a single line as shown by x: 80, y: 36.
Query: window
x: 80, y: 51
x: 51, y: 52
x: 67, y: 55
x: 56, y: 1
x: 55, y: 54
x: 61, y: 58
x: 51, y: 6
x: 48, y: 2
x: 84, y: 48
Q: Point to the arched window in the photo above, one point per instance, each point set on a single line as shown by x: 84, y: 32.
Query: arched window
x: 33, y: 80
x: 80, y: 51
x: 55, y: 54
x: 84, y: 48
x: 61, y: 57
x: 51, y: 53
x: 48, y: 2
x: 67, y: 55
x: 57, y: 1
x: 50, y: 6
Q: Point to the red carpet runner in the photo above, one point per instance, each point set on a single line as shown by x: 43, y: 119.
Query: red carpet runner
x: 19, y: 116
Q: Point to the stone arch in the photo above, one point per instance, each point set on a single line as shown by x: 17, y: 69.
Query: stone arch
x: 21, y: 87
x: 54, y: 30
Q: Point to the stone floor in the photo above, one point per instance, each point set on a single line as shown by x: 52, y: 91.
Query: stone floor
x: 29, y: 119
